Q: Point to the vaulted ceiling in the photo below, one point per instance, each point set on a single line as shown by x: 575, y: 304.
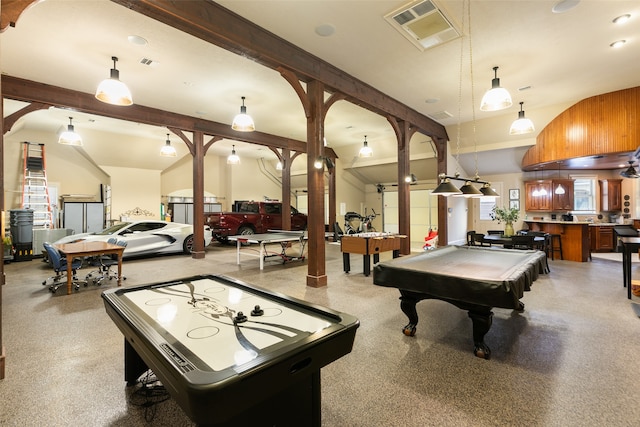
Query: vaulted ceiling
x: 547, y: 60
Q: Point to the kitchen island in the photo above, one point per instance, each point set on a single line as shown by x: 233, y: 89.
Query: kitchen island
x: 573, y: 235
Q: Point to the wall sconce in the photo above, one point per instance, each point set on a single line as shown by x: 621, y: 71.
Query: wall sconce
x: 410, y: 179
x: 233, y: 158
x: 496, y: 98
x: 321, y: 161
x: 69, y: 136
x: 167, y: 149
x: 279, y: 166
x: 243, y: 122
x: 112, y: 90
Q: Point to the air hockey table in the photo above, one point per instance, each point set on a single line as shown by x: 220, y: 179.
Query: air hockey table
x: 471, y: 278
x: 230, y: 353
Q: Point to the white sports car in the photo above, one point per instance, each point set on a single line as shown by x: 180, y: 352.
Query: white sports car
x: 146, y: 237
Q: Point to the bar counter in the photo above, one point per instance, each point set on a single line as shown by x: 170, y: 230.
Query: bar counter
x: 574, y: 236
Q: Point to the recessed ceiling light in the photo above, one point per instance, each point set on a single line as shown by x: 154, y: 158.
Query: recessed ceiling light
x: 621, y: 19
x: 564, y: 6
x: 325, y: 30
x: 140, y: 41
x: 617, y: 44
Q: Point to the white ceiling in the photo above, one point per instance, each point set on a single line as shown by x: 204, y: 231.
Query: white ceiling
x: 560, y: 59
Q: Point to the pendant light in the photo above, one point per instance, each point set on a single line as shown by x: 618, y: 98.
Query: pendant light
x: 521, y: 125
x: 446, y: 187
x: 496, y: 98
x: 365, y: 151
x: 630, y: 172
x: 168, y: 150
x: 243, y: 122
x: 559, y: 189
x: 69, y: 136
x: 233, y: 158
x: 112, y: 90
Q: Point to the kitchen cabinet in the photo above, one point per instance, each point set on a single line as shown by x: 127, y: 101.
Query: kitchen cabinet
x: 610, y: 195
x: 538, y: 202
x: 602, y: 238
x: 562, y: 202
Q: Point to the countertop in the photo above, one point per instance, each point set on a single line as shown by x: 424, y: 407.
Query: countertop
x: 590, y: 223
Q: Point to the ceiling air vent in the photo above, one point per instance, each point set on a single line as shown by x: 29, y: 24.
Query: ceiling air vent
x: 423, y: 23
x: 441, y: 115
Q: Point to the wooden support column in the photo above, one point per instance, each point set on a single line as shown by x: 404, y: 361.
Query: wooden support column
x: 404, y: 195
x: 316, y: 275
x: 332, y: 196
x: 286, y: 189
x: 2, y: 278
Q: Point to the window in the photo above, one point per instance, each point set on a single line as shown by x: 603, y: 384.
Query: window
x: 584, y: 194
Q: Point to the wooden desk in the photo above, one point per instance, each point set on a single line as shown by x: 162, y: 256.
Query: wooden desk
x: 83, y: 249
x: 368, y: 244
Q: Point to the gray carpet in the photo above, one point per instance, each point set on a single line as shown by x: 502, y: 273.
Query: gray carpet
x: 567, y: 360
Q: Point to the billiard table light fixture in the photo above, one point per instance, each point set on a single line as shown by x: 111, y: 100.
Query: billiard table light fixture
x: 446, y: 187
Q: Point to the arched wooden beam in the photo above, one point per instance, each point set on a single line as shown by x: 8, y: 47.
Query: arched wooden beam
x: 329, y: 102
x: 184, y: 138
x: 11, y: 119
x: 211, y: 142
x: 277, y: 153
x: 297, y: 87
x: 11, y: 11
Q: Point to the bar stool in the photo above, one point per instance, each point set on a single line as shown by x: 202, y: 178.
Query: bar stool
x: 556, y: 246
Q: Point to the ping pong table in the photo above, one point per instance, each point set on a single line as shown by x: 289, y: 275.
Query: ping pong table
x: 282, y: 237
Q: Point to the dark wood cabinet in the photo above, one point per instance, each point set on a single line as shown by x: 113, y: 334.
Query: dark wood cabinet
x: 610, y: 195
x: 562, y: 202
x: 534, y: 201
x: 602, y: 238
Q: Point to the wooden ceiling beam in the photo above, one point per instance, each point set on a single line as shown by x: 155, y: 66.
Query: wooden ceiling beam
x: 217, y: 25
x: 33, y: 92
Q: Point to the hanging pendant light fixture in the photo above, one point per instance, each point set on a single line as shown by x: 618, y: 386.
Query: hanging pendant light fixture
x: 559, y: 189
x: 446, y: 188
x: 521, y: 125
x: 365, y: 151
x: 168, y: 150
x: 243, y: 122
x: 112, y: 90
x: 496, y: 98
x: 69, y: 136
x: 233, y: 158
x: 630, y: 172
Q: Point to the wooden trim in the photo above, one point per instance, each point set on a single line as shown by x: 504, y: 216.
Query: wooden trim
x: 602, y: 124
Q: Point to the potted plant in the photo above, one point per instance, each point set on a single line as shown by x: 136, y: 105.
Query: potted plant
x: 7, y: 246
x: 506, y: 215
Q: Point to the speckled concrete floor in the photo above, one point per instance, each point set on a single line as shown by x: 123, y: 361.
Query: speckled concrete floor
x: 569, y: 360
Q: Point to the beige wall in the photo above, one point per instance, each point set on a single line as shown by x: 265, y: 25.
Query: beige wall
x: 135, y: 193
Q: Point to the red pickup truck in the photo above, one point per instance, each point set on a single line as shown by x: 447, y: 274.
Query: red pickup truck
x: 251, y: 218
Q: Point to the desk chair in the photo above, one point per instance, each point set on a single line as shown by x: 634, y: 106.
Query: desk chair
x: 59, y: 265
x: 104, y: 264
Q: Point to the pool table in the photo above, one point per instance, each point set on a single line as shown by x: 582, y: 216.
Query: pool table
x: 229, y: 353
x: 472, y: 278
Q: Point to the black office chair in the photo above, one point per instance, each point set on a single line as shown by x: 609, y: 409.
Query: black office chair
x: 104, y: 264
x: 59, y: 264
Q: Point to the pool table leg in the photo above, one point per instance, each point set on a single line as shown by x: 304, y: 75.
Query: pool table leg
x: 482, y: 320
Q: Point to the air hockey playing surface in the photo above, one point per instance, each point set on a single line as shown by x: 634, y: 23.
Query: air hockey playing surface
x: 221, y: 346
